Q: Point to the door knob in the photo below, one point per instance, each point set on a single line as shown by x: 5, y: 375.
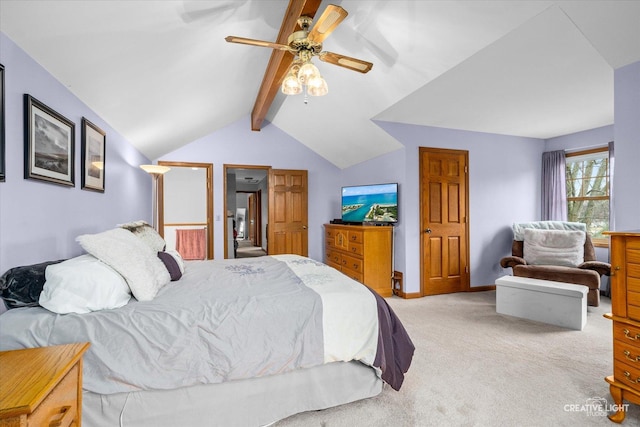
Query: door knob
x: 428, y: 231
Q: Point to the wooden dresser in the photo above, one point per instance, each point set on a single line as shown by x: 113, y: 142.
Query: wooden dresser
x: 42, y: 386
x: 624, y: 384
x: 362, y: 252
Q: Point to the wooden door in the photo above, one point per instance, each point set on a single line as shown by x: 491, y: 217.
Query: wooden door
x: 444, y: 219
x: 287, y: 227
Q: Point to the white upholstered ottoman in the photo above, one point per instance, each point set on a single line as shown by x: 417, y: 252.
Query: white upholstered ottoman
x: 556, y: 303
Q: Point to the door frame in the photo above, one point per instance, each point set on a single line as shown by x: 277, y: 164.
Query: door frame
x: 226, y: 167
x: 467, y: 274
x: 209, y: 169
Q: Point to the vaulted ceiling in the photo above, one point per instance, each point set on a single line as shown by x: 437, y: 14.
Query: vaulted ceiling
x: 162, y: 75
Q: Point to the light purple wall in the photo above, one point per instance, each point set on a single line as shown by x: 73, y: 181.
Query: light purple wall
x: 627, y: 147
x: 40, y: 221
x: 584, y: 140
x: 504, y: 187
x: 237, y: 144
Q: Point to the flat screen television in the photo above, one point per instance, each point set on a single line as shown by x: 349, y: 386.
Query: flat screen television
x: 376, y: 204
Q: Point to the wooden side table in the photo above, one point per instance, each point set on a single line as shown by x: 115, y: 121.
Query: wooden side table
x: 42, y: 386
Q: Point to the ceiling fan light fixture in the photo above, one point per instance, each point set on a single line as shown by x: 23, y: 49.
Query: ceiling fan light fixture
x: 317, y: 86
x: 307, y: 72
x: 291, y: 85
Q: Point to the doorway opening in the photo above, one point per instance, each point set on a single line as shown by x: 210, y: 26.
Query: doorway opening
x: 246, y: 210
x: 185, y: 202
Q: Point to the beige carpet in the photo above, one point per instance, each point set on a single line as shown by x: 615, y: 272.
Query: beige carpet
x: 247, y: 250
x: 474, y: 367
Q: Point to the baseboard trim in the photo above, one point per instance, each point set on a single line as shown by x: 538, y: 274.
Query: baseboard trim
x: 407, y: 295
x: 482, y: 288
x: 412, y: 295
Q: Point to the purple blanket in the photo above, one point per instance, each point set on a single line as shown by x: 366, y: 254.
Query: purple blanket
x: 395, y: 349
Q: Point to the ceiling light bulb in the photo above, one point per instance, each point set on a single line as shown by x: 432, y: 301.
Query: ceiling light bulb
x: 291, y: 85
x: 317, y: 86
x: 307, y: 71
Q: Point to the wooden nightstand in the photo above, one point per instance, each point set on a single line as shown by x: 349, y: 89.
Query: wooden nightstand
x: 42, y: 386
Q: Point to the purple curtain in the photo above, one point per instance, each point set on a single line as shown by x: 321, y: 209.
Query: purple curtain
x: 554, y: 188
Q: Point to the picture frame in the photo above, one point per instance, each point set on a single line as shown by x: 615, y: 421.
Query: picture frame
x: 49, y: 144
x: 93, y: 150
x: 2, y: 126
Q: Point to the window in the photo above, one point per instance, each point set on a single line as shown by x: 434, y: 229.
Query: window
x: 587, y: 177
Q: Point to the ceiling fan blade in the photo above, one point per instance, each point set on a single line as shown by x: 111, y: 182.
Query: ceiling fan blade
x: 328, y: 21
x: 254, y: 42
x: 346, y: 61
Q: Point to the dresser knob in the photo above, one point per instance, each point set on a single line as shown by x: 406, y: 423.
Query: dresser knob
x: 626, y: 334
x: 627, y: 354
x: 628, y: 377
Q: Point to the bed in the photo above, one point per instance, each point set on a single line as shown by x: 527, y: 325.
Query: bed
x: 242, y: 342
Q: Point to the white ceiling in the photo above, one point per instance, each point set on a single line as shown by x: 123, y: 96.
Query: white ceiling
x: 162, y: 75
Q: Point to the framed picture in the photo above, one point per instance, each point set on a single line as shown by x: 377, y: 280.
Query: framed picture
x: 49, y: 144
x: 2, y: 132
x: 93, y: 151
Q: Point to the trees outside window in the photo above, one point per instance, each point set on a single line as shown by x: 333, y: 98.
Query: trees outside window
x: 587, y: 178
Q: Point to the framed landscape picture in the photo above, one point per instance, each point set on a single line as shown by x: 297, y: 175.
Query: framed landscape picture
x: 93, y: 155
x: 2, y: 132
x: 49, y: 144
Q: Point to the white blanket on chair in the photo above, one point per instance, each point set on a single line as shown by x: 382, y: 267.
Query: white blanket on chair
x: 554, y: 247
x: 518, y: 228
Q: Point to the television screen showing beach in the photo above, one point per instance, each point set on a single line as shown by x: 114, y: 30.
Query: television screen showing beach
x: 370, y: 203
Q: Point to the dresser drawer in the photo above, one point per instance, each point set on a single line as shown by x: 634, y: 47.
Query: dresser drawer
x: 352, y: 263
x: 633, y: 304
x: 61, y: 404
x: 331, y: 243
x: 627, y: 374
x: 630, y: 335
x: 356, y: 237
x: 356, y: 248
x: 334, y: 257
x: 358, y: 277
x: 626, y: 353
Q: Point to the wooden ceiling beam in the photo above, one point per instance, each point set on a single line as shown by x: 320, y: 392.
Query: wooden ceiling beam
x: 280, y: 60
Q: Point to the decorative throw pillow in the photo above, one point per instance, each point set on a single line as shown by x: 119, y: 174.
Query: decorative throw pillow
x: 21, y: 286
x: 554, y: 247
x: 130, y: 257
x: 177, y: 257
x: 81, y: 285
x: 171, y: 264
x: 147, y: 233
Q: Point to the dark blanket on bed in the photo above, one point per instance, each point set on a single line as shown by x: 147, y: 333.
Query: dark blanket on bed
x: 395, y: 348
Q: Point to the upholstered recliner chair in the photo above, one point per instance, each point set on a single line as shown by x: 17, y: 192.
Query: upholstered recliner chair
x: 553, y: 250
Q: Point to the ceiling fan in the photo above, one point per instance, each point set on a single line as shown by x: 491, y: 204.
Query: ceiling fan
x: 304, y: 45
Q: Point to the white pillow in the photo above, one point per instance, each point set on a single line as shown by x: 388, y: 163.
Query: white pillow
x: 553, y: 247
x: 147, y: 233
x: 131, y: 257
x: 81, y: 285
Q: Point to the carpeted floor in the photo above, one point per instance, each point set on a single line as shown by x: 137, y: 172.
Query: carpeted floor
x: 474, y: 367
x: 247, y: 250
